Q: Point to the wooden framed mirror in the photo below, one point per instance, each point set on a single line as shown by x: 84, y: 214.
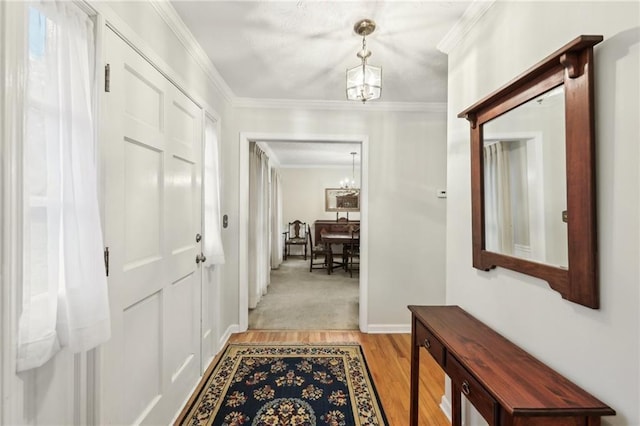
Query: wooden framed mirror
x: 533, y: 174
x: 342, y: 199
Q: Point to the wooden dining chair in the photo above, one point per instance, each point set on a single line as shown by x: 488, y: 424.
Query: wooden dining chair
x: 318, y: 251
x: 352, y: 255
x: 296, y: 235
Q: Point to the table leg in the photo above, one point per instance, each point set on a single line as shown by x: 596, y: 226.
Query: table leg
x: 456, y: 405
x: 415, y: 375
x: 593, y: 421
x: 284, y: 246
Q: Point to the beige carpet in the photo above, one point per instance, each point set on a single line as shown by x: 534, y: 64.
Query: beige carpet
x: 301, y: 300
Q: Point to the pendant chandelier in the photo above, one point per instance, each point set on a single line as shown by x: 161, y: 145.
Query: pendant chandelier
x: 350, y: 183
x: 364, y: 82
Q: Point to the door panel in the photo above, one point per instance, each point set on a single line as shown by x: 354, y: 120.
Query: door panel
x: 143, y: 177
x: 144, y: 112
x: 142, y: 355
x: 184, y: 127
x: 182, y: 231
x: 152, y: 144
x: 180, y: 331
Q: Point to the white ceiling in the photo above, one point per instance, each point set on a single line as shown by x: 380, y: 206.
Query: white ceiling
x: 315, y: 154
x: 300, y: 50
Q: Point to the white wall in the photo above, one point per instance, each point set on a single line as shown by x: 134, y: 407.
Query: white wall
x: 303, y: 192
x: 597, y: 349
x: 406, y: 220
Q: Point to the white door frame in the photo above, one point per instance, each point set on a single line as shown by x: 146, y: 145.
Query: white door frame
x: 245, y: 140
x: 12, y: 43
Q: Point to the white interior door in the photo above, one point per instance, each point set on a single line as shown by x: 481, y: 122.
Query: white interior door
x: 151, y: 146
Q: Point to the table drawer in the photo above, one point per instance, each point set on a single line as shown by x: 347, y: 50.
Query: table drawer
x: 426, y: 339
x: 472, y: 389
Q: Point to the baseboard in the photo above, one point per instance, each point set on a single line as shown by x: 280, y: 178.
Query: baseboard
x: 389, y: 328
x: 233, y: 328
x: 372, y: 329
x: 445, y: 406
x: 186, y: 401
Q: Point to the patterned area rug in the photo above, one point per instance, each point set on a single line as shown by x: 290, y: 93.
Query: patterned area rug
x: 301, y: 385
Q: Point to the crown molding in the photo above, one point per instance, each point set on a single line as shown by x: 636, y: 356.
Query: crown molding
x: 169, y: 15
x: 469, y: 18
x: 431, y: 107
x: 318, y: 166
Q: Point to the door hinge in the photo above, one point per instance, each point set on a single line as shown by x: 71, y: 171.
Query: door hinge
x: 107, y: 78
x: 106, y: 260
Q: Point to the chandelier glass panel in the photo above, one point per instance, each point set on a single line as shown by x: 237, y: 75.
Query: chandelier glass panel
x: 364, y: 82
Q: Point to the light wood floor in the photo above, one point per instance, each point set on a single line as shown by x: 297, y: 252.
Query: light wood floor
x: 389, y: 359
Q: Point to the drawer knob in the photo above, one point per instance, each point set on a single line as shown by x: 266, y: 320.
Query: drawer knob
x: 427, y: 343
x: 465, y: 388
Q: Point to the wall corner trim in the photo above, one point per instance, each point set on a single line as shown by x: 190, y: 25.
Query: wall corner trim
x: 169, y: 15
x: 472, y: 15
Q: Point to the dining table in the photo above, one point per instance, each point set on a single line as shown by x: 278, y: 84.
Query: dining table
x: 330, y: 238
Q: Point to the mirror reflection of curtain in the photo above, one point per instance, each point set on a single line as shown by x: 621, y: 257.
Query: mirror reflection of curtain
x: 259, y: 244
x: 498, y: 217
x: 276, y: 219
x: 519, y: 185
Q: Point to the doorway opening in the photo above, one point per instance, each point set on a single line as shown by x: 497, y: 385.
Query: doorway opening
x: 301, y: 140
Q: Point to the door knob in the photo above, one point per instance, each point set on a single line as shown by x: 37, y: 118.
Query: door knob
x: 200, y: 258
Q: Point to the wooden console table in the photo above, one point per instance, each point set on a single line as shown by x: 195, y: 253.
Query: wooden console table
x: 505, y: 384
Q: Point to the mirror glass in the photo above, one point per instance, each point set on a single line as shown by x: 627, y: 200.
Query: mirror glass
x: 342, y: 199
x: 524, y: 166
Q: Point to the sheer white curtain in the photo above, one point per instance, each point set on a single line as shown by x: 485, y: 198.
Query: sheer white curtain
x: 276, y: 219
x: 497, y: 187
x: 64, y: 297
x: 212, y: 246
x: 259, y: 262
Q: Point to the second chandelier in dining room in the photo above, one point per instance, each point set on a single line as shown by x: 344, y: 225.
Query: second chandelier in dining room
x: 364, y: 82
